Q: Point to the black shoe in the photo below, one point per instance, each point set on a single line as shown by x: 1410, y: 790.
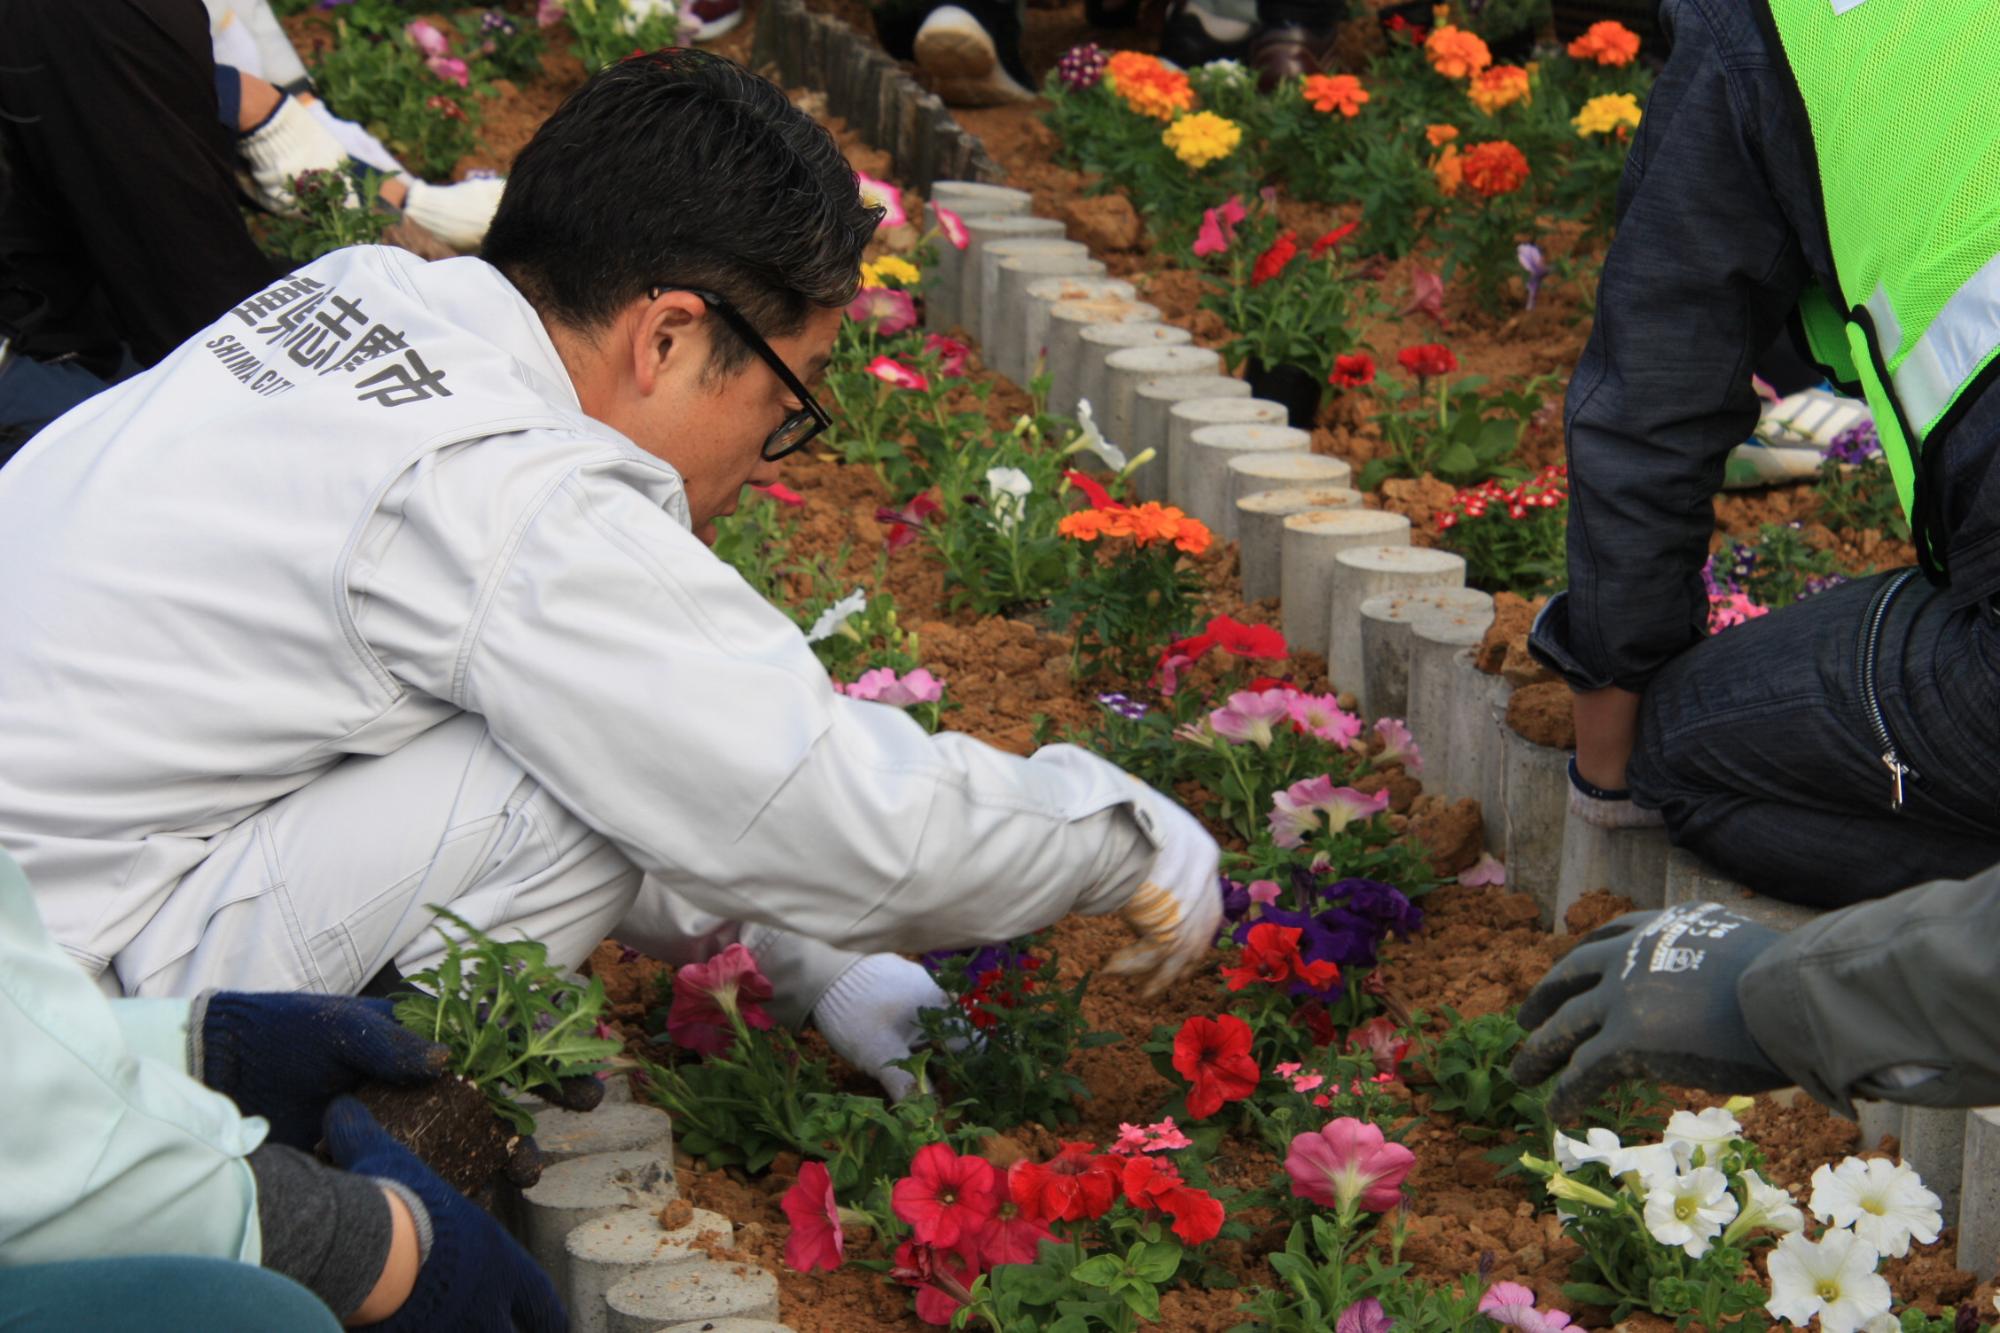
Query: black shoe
x: 1194, y: 36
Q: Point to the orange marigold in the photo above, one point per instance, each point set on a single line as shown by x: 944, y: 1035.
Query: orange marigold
x: 1148, y: 86
x: 1440, y: 135
x: 1495, y: 168
x: 1501, y: 86
x: 1449, y: 168
x: 1335, y: 92
x: 1608, y: 43
x: 1085, y: 525
x: 1456, y: 53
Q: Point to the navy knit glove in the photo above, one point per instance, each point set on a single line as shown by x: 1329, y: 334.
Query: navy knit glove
x: 285, y: 1056
x: 475, y: 1278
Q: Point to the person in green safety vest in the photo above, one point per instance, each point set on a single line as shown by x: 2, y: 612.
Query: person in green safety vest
x: 1832, y: 166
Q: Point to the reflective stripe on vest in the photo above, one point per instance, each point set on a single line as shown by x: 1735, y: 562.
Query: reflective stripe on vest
x: 1957, y: 345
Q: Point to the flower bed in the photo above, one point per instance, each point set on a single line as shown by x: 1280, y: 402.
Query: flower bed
x: 1317, y: 1130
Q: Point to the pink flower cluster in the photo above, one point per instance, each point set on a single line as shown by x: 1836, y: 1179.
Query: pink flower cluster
x: 884, y: 686
x: 1727, y: 610
x: 1296, y: 811
x: 1251, y: 715
x: 427, y: 38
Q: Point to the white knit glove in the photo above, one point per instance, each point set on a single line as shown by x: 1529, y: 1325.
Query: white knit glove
x: 1607, y: 809
x: 1177, y: 907
x: 457, y: 214
x: 290, y: 141
x: 869, y: 1015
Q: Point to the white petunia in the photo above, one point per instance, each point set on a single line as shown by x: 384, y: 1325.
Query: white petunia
x: 1884, y: 1202
x: 637, y: 12
x: 1833, y: 1277
x: 1596, y: 1145
x: 1770, y: 1208
x: 1010, y: 487
x: 835, y: 617
x: 1688, y: 1210
x: 1711, y: 1132
x: 1652, y: 1162
x: 1883, y: 1323
x: 1090, y: 438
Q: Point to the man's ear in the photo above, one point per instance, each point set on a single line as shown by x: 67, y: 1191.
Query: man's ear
x: 667, y: 338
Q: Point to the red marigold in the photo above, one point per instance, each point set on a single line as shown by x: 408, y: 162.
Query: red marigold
x: 1272, y: 262
x: 1351, y: 370
x: 1073, y: 1185
x: 1213, y: 1054
x: 945, y: 1197
x: 1495, y: 168
x: 1427, y: 359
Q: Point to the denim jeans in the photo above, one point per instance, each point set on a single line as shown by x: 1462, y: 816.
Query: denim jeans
x: 159, y: 1294
x: 1759, y: 748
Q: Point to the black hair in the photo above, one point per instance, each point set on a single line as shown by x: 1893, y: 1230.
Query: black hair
x: 682, y: 169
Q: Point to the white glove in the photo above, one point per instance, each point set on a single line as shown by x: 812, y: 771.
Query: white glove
x: 289, y: 142
x: 1606, y: 809
x: 869, y: 1015
x: 1177, y: 908
x: 456, y: 214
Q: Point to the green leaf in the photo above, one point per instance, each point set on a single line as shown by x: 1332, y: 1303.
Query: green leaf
x: 1101, y: 1271
x: 1457, y: 462
x: 1143, y: 1301
x: 1156, y: 1261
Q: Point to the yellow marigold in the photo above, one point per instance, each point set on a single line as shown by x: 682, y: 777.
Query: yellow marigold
x: 1608, y: 43
x: 890, y: 266
x: 1501, y: 86
x: 1148, y: 86
x: 1335, y: 92
x: 1449, y: 169
x: 1440, y: 135
x: 1202, y: 138
x: 1613, y: 113
x: 1456, y: 53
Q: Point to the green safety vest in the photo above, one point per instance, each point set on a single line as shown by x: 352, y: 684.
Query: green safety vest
x: 1903, y: 101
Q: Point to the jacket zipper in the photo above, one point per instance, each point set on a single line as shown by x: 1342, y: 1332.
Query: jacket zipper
x: 1871, y: 642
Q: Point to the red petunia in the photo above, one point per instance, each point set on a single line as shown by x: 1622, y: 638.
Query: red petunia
x: 1271, y: 955
x: 1010, y: 1236
x: 1155, y: 1186
x: 1427, y: 359
x: 1351, y: 370
x: 1272, y: 262
x: 783, y: 494
x: 1378, y: 1037
x: 1334, y: 237
x: 930, y: 1270
x: 1213, y: 1054
x: 1258, y: 642
x: 816, y: 1241
x: 1073, y: 1185
x: 945, y: 1197
x: 1099, y: 497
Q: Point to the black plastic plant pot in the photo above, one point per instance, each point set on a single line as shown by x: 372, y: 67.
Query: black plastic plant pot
x: 1294, y: 386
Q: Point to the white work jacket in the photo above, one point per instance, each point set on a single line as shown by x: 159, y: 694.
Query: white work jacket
x: 368, y: 499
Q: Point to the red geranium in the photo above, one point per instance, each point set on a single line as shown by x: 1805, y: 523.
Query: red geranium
x: 1334, y: 237
x: 1272, y: 262
x: 1073, y: 1185
x: 1351, y: 370
x: 1213, y: 1054
x: 1427, y: 359
x: 815, y: 1241
x: 946, y: 1197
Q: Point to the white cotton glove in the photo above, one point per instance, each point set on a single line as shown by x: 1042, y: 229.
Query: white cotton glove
x: 869, y: 1015
x: 457, y: 214
x: 1606, y: 809
x: 289, y: 142
x: 1177, y: 907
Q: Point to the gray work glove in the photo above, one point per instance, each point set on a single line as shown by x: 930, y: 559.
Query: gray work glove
x: 1651, y: 995
x: 1606, y: 809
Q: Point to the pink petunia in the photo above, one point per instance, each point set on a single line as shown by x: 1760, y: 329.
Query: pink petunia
x: 1297, y: 810
x: 1264, y: 892
x: 894, y: 373
x: 1511, y: 1305
x: 950, y: 352
x: 1249, y: 716
x: 1161, y: 1137
x: 1487, y: 872
x: 1349, y: 1164
x: 451, y: 69
x: 783, y: 494
x: 883, y: 686
x: 706, y: 994
x: 1398, y: 744
x: 890, y: 311
x: 881, y: 192
x: 427, y: 38
x: 953, y: 227
x: 548, y: 13
x: 1319, y: 716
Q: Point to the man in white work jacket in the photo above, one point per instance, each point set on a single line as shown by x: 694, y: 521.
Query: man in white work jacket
x: 390, y: 588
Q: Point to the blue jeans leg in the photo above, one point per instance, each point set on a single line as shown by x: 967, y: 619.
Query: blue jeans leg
x: 34, y: 393
x: 158, y: 1294
x: 1758, y: 748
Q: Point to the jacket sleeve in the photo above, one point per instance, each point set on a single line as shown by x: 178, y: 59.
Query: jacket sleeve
x: 105, y: 1151
x: 1890, y: 1000
x: 667, y: 704
x: 1703, y: 272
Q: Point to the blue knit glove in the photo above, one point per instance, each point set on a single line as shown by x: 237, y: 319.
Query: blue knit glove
x: 474, y: 1278
x: 285, y: 1056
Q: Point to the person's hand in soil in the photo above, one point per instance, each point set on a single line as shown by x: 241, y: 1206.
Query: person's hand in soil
x: 285, y: 1056
x: 869, y: 1015
x: 472, y: 1275
x: 1177, y: 908
x: 1651, y: 995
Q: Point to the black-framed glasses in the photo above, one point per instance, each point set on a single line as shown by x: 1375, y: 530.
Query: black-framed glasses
x: 798, y: 428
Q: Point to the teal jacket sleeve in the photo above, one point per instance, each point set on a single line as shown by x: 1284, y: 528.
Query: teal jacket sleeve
x: 106, y: 1148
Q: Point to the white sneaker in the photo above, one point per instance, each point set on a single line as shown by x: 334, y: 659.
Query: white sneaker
x: 706, y: 20
x: 958, y: 54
